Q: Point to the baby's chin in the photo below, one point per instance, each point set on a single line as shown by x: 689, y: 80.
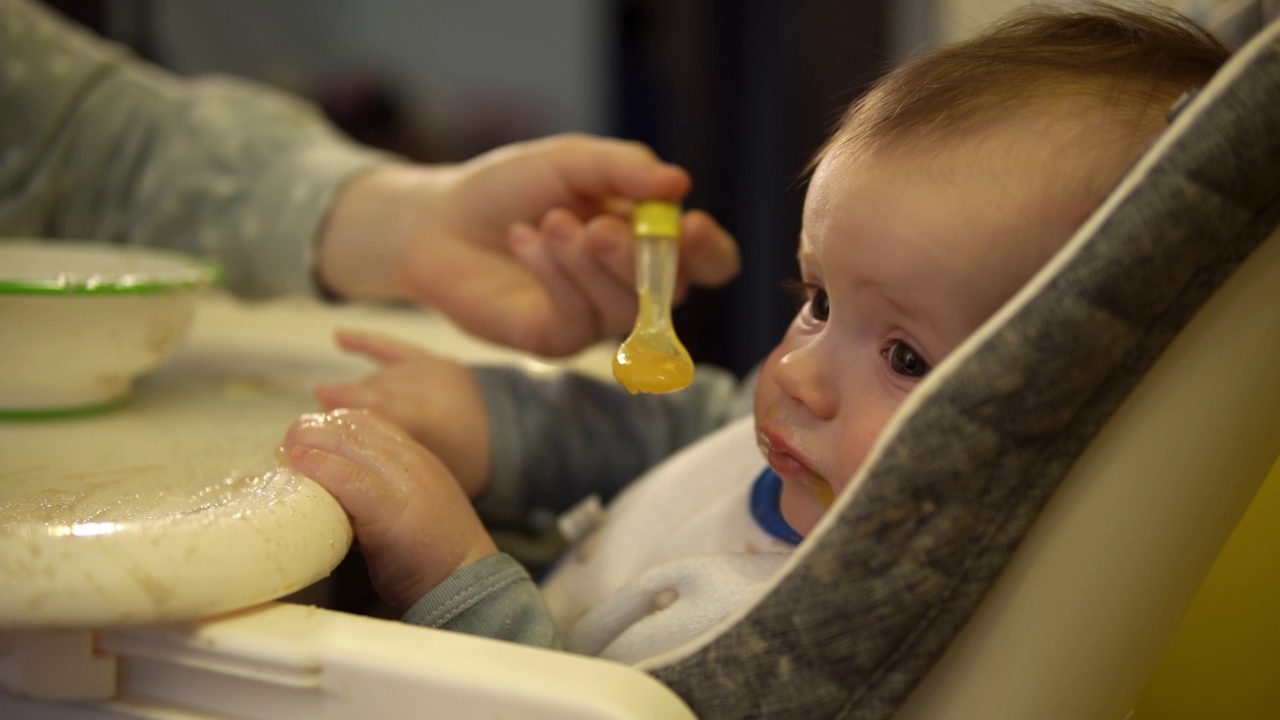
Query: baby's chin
x: 800, y: 507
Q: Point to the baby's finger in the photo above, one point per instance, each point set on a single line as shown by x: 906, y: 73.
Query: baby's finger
x: 361, y: 436
x: 612, y: 300
x: 360, y: 493
x: 383, y: 349
x: 346, y: 395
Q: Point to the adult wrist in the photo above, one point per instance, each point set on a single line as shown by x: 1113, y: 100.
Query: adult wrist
x: 370, y: 226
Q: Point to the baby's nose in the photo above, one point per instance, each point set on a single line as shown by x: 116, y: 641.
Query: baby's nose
x: 803, y: 376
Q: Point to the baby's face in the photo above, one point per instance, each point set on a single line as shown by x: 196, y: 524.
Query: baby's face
x: 903, y: 254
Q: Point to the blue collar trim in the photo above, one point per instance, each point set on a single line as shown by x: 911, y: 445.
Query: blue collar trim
x: 766, y: 493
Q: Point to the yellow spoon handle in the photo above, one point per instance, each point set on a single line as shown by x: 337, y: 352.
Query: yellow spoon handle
x: 652, y: 360
x: 655, y: 281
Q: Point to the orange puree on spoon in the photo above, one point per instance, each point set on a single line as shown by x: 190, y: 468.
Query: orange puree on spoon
x: 652, y: 360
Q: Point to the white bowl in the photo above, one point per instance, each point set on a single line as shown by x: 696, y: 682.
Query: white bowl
x: 80, y: 321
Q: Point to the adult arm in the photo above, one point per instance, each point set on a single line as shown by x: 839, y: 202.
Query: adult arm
x: 99, y: 145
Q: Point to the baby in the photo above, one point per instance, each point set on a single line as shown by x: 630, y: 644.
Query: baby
x: 942, y: 191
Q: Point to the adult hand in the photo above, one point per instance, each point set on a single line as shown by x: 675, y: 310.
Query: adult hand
x: 528, y: 245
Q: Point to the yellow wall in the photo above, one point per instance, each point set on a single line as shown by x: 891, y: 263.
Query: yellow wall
x: 1224, y: 661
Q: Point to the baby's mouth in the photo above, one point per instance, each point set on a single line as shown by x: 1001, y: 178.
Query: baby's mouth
x: 791, y: 468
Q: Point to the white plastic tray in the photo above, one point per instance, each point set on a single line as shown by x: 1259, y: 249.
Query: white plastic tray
x: 173, y: 507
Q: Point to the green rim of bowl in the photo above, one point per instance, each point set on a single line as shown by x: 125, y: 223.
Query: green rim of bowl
x: 65, y: 412
x: 201, y: 273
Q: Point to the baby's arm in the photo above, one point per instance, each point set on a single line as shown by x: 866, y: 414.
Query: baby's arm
x: 435, y: 400
x: 414, y: 524
x: 517, y: 442
x: 555, y: 440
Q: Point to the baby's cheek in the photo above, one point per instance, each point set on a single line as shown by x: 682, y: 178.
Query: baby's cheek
x: 765, y: 396
x: 853, y: 453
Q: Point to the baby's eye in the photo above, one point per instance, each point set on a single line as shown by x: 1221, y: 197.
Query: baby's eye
x: 813, y: 296
x: 819, y: 304
x: 906, y: 361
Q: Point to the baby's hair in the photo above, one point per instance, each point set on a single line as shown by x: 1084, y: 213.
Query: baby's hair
x: 1137, y: 57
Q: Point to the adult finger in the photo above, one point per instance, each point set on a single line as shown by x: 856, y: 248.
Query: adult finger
x: 609, y: 241
x: 603, y: 168
x: 612, y: 301
x: 708, y: 253
x: 566, y: 312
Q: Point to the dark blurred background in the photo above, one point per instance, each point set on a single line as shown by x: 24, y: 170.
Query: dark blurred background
x: 739, y: 92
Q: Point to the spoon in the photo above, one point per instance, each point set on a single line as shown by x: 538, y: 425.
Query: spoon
x: 651, y: 359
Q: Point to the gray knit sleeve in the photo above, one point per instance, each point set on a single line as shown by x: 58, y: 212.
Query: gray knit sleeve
x: 95, y: 144
x: 493, y: 597
x: 557, y: 440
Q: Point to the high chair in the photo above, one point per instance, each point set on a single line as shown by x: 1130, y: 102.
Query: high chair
x: 1021, y: 543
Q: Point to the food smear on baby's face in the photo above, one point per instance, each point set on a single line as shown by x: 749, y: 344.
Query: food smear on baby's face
x: 822, y: 490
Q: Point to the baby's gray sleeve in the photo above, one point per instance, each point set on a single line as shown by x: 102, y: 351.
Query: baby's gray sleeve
x: 95, y: 144
x: 493, y: 597
x: 557, y: 440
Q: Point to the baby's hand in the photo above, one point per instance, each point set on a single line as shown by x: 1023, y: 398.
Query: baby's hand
x: 437, y: 401
x: 412, y: 521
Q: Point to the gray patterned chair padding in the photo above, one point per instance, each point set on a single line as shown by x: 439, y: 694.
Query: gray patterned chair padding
x: 875, y: 597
